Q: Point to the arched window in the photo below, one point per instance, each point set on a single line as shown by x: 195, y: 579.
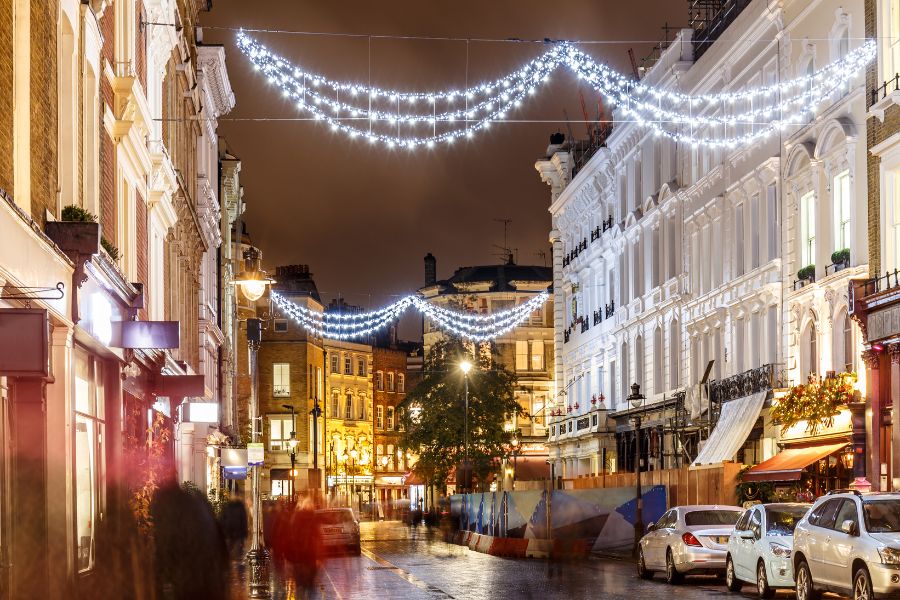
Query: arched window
x: 840, y: 194
x: 674, y: 355
x: 844, y: 353
x: 639, y: 361
x: 807, y: 229
x: 809, y: 351
x: 658, y: 365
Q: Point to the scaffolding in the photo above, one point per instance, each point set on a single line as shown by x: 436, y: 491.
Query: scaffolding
x: 710, y: 18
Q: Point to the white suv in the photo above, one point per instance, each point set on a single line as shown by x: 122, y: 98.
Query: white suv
x: 849, y: 543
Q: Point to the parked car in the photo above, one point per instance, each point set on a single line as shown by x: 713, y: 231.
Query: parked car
x: 849, y: 543
x: 687, y: 540
x: 340, y: 529
x: 759, y: 549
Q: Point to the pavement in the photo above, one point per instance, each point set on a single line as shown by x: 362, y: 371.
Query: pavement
x: 416, y: 564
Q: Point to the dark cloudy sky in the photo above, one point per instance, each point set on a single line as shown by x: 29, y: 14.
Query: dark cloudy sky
x: 363, y: 217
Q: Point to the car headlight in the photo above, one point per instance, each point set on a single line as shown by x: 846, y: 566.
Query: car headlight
x: 889, y: 556
x: 780, y: 550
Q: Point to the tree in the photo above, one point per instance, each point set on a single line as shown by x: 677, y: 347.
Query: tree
x: 434, y: 417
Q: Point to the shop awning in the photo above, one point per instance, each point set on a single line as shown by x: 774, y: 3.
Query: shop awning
x: 788, y: 464
x: 735, y: 423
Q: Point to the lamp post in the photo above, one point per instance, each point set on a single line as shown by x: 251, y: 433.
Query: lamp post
x: 292, y: 446
x: 253, y: 283
x: 636, y: 399
x: 315, y: 413
x: 354, y: 454
x: 465, y: 366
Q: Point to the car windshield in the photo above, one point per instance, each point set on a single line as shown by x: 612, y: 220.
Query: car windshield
x: 882, y: 516
x: 335, y: 517
x: 782, y: 520
x: 711, y: 517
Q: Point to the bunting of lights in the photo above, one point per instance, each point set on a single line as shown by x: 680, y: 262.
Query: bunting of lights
x: 347, y: 326
x: 407, y: 119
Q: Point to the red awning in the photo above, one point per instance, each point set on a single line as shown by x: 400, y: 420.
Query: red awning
x: 532, y: 468
x: 788, y: 464
x: 413, y: 478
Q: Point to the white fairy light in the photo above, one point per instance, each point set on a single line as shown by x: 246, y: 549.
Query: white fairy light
x: 346, y: 326
x: 681, y: 117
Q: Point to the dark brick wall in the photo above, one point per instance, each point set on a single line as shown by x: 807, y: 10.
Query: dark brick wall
x: 108, y: 214
x: 394, y: 361
x: 44, y: 110
x: 140, y: 50
x: 6, y: 98
x: 141, y: 247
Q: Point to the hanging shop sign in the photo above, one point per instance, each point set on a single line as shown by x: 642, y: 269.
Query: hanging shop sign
x: 255, y: 454
x: 144, y: 335
x: 24, y: 342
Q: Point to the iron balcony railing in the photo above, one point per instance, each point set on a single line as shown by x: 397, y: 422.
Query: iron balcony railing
x: 744, y: 384
x: 881, y: 92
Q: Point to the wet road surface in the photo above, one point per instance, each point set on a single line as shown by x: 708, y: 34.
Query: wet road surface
x: 416, y: 564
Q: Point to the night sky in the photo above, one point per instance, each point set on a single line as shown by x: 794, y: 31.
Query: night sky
x: 363, y: 216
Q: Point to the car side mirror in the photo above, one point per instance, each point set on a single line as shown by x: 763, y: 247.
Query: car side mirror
x: 849, y: 527
x: 746, y: 534
x: 651, y: 527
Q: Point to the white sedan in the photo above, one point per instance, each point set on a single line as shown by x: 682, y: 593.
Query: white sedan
x: 687, y: 540
x: 759, y: 550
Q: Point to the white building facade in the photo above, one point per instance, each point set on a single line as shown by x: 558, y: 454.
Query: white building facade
x: 670, y: 258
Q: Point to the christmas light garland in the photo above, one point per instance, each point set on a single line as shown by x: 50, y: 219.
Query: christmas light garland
x: 716, y: 120
x: 346, y: 326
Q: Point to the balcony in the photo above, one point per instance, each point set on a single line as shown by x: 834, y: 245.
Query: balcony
x: 884, y: 96
x: 710, y: 18
x: 744, y: 384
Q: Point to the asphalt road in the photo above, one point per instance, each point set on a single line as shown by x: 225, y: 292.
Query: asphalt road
x: 416, y: 564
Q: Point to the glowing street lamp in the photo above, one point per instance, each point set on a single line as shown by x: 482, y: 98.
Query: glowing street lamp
x: 252, y: 280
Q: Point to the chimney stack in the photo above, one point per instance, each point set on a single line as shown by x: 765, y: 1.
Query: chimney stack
x: 430, y: 269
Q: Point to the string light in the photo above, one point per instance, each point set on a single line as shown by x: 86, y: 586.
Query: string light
x: 716, y: 120
x: 346, y: 326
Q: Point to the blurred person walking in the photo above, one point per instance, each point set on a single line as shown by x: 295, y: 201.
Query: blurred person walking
x: 304, y: 550
x: 235, y: 527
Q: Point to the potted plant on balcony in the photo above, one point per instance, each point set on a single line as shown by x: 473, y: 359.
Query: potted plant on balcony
x: 807, y: 273
x: 841, y: 259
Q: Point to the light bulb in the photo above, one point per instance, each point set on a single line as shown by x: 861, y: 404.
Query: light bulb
x: 253, y: 290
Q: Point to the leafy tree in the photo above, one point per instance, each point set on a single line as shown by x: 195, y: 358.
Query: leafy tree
x: 434, y: 412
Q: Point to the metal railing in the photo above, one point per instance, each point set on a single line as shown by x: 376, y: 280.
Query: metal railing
x: 881, y: 92
x: 744, y: 384
x: 710, y: 18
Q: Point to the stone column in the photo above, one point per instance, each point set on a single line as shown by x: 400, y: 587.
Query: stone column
x: 60, y: 490
x: 873, y: 418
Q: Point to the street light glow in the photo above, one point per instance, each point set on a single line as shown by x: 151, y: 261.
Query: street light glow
x: 465, y: 366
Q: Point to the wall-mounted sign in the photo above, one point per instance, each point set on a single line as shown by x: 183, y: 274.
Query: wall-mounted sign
x: 203, y: 412
x: 145, y: 335
x: 24, y: 341
x: 255, y: 454
x: 883, y: 323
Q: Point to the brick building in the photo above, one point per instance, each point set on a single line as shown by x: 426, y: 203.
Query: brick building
x: 291, y: 363
x: 390, y: 383
x: 86, y: 85
x: 875, y: 301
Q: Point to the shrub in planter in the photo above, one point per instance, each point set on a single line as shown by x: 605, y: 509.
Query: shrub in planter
x: 841, y: 257
x: 76, y: 213
x: 807, y: 272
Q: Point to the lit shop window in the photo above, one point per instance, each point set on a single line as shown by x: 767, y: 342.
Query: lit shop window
x: 90, y: 465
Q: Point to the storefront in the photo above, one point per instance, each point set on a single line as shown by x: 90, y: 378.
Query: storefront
x: 810, y: 465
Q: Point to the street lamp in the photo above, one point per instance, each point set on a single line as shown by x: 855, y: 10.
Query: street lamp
x: 253, y: 282
x: 292, y: 446
x: 636, y: 399
x: 465, y: 366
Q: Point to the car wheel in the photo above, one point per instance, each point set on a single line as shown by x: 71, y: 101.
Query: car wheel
x: 731, y: 581
x: 862, y: 585
x: 805, y: 588
x: 643, y: 573
x: 673, y: 577
x: 762, y: 582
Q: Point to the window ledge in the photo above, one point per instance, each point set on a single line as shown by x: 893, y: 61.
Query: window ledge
x: 879, y: 109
